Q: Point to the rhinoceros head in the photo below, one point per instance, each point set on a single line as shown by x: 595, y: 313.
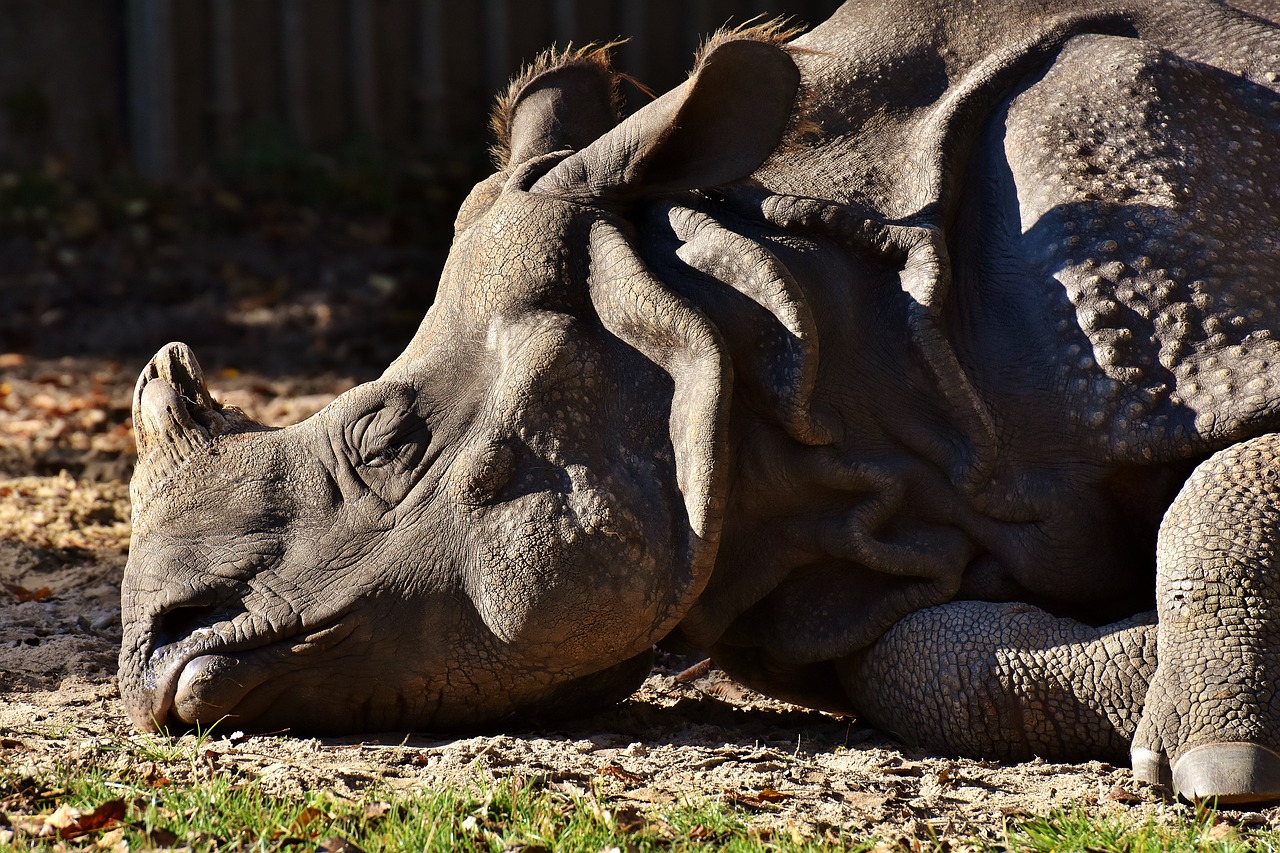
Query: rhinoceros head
x: 524, y: 502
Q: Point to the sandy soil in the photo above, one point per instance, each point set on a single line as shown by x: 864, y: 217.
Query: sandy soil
x: 65, y: 455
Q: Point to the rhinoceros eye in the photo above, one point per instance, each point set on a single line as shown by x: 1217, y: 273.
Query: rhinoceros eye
x: 390, y: 438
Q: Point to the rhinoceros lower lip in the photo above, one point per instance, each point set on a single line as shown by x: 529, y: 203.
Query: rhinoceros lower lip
x: 208, y: 687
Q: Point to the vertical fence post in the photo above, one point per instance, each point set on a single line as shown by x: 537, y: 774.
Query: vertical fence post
x: 293, y: 53
x: 699, y: 24
x: 431, y: 74
x: 225, y: 100
x: 564, y: 22
x: 152, y: 41
x: 634, y: 18
x: 149, y: 47
x: 363, y: 65
x: 497, y: 30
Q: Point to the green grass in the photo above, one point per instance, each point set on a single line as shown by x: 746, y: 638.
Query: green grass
x: 203, y: 807
x: 98, y: 809
x: 515, y: 814
x: 165, y: 748
x: 1076, y: 830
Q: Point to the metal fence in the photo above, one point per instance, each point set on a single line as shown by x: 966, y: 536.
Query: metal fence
x: 165, y: 86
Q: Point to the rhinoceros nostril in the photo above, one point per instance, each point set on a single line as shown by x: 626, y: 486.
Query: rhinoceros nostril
x: 179, y: 623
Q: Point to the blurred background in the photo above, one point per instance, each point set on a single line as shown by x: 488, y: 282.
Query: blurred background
x: 273, y: 181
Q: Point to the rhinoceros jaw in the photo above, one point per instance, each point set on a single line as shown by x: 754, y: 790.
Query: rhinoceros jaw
x: 189, y: 702
x: 323, y: 639
x: 210, y: 684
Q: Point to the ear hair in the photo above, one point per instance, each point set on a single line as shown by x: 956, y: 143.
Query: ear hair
x: 592, y: 64
x: 714, y: 129
x: 776, y: 31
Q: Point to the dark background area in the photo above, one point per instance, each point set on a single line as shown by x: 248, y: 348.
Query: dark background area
x: 272, y: 181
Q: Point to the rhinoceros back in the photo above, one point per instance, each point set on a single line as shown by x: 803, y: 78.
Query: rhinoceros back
x: 1103, y: 186
x: 1128, y: 213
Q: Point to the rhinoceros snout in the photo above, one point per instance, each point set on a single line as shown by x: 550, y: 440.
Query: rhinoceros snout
x: 207, y: 666
x: 181, y: 622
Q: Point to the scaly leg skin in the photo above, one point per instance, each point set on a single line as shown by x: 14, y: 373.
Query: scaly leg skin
x: 1211, y: 723
x: 1006, y: 681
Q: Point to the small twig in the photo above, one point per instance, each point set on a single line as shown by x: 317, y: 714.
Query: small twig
x: 693, y: 673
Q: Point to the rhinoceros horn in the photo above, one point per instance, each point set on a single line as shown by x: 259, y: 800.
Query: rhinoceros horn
x: 174, y: 415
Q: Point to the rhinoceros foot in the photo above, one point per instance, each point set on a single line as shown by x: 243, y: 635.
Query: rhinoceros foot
x: 1230, y: 773
x: 1211, y: 720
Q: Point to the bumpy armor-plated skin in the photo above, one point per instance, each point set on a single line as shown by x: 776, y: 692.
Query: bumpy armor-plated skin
x: 871, y: 362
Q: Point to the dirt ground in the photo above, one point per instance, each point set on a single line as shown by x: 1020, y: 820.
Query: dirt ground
x: 65, y: 456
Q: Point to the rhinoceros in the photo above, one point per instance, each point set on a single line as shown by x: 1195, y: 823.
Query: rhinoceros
x: 923, y: 367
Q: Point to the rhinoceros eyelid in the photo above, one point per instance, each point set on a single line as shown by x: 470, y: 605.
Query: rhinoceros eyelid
x: 388, y: 436
x: 385, y: 457
x: 377, y: 428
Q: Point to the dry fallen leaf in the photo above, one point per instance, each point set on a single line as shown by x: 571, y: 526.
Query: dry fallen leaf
x: 701, y: 833
x: 766, y: 799
x: 22, y: 594
x: 153, y: 778
x: 617, y: 771
x: 1122, y: 795
x: 62, y: 817
x: 161, y: 837
x: 113, y: 841
x: 866, y: 799
x: 1218, y: 832
x: 105, y: 816
x: 306, y: 817
x: 628, y: 820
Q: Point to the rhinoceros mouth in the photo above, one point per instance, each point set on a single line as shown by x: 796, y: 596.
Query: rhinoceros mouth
x: 202, y: 679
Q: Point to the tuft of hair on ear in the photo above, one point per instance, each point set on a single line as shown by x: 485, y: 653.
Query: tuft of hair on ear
x: 775, y: 31
x: 778, y: 32
x: 599, y: 55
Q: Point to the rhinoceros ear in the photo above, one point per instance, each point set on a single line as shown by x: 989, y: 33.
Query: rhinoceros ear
x: 717, y: 127
x: 565, y: 100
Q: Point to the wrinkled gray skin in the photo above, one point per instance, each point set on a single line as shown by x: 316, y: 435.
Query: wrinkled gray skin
x: 911, y: 411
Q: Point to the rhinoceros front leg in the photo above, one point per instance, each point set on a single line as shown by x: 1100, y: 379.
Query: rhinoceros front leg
x: 1006, y: 681
x: 1212, y: 714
